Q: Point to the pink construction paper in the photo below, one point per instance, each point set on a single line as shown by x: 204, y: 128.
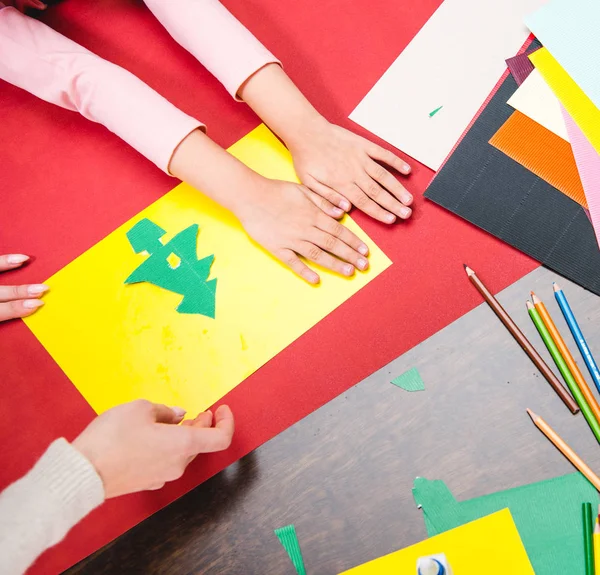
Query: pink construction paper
x: 588, y: 164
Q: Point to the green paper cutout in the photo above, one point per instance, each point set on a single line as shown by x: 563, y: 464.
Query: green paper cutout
x: 188, y: 279
x: 287, y: 537
x: 547, y: 515
x: 410, y: 381
x: 434, y: 112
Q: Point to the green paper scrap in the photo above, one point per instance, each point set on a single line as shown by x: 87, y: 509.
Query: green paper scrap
x: 547, y: 515
x: 410, y: 381
x: 434, y: 112
x: 189, y: 278
x: 288, y: 538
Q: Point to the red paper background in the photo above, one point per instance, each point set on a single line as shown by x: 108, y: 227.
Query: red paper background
x: 66, y: 183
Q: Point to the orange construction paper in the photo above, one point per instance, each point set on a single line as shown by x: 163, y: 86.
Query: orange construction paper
x: 541, y: 152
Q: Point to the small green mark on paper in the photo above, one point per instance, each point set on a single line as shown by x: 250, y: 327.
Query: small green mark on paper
x: 288, y: 538
x: 434, y: 112
x: 410, y: 381
x: 174, y: 266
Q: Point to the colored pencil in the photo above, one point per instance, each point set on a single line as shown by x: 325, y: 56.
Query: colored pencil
x: 560, y: 444
x: 563, y: 303
x: 513, y: 329
x: 597, y: 544
x: 564, y: 369
x: 567, y: 356
x: 588, y: 539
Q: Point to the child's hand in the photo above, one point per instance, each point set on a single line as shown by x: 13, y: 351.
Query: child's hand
x: 284, y: 218
x: 341, y: 167
x: 24, y: 5
x: 18, y: 301
x: 139, y: 446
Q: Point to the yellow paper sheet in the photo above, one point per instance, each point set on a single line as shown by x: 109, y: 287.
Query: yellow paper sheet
x: 119, y: 342
x: 488, y: 546
x: 580, y: 107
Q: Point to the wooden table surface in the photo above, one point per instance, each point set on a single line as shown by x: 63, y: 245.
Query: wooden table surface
x: 343, y: 475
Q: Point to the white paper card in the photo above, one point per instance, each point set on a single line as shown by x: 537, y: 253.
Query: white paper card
x: 535, y: 99
x: 454, y: 61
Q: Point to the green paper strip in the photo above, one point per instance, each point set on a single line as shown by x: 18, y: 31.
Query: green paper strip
x: 434, y: 112
x: 410, y: 381
x: 547, y: 515
x: 287, y: 537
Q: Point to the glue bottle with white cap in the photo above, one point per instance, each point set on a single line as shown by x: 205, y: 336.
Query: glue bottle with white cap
x: 433, y: 565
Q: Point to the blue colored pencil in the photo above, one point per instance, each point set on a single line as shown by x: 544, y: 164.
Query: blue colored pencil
x: 578, y: 335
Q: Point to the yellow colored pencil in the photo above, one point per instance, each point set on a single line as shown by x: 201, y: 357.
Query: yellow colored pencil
x: 597, y: 544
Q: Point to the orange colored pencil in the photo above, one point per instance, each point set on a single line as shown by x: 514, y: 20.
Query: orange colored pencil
x: 560, y: 444
x: 564, y: 351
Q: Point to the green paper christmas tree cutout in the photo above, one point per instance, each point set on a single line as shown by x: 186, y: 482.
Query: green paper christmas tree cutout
x: 187, y: 277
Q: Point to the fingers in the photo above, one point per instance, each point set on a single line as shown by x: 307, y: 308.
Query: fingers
x: 387, y: 180
x: 381, y: 154
x: 343, y: 233
x: 8, y: 293
x: 164, y: 414
x: 340, y: 249
x: 19, y: 308
x: 289, y: 258
x: 12, y: 261
x: 203, y: 419
x: 333, y: 197
x: 217, y: 438
x: 383, y: 198
x: 35, y: 4
x: 365, y: 204
x: 324, y: 205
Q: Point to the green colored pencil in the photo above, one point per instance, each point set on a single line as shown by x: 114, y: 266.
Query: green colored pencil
x: 588, y: 538
x: 564, y: 370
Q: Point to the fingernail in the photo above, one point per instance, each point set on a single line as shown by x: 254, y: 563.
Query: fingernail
x: 407, y: 199
x: 406, y: 169
x: 363, y: 249
x: 178, y: 411
x: 15, y: 259
x: 363, y: 264
x: 345, y: 205
x: 337, y: 212
x: 390, y: 218
x: 32, y: 303
x: 313, y: 278
x: 37, y: 289
x: 406, y: 212
x: 348, y: 270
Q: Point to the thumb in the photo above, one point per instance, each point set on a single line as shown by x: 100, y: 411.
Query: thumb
x: 164, y: 414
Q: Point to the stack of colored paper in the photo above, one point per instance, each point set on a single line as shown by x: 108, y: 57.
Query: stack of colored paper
x: 555, y: 128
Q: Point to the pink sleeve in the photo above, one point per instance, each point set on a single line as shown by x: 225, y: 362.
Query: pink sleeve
x: 52, y: 67
x: 213, y: 36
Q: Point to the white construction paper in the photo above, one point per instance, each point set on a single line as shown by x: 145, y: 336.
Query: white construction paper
x: 454, y: 61
x: 535, y: 99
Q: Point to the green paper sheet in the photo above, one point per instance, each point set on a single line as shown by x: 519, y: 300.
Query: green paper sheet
x: 410, y: 381
x: 547, y: 515
x: 188, y: 278
x: 287, y: 537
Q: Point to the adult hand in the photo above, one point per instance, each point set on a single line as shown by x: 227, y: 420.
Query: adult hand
x: 139, y: 445
x: 343, y: 168
x: 24, y: 5
x: 284, y: 218
x: 18, y: 301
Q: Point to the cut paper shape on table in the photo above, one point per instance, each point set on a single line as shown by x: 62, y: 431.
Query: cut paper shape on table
x: 535, y: 99
x: 541, y: 152
x: 489, y: 545
x: 569, y: 30
x: 288, y: 538
x: 410, y: 380
x: 129, y: 343
x: 579, y: 106
x: 189, y: 277
x: 588, y: 164
x: 399, y: 113
x: 487, y: 188
x: 434, y: 112
x: 520, y: 67
x: 547, y: 515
